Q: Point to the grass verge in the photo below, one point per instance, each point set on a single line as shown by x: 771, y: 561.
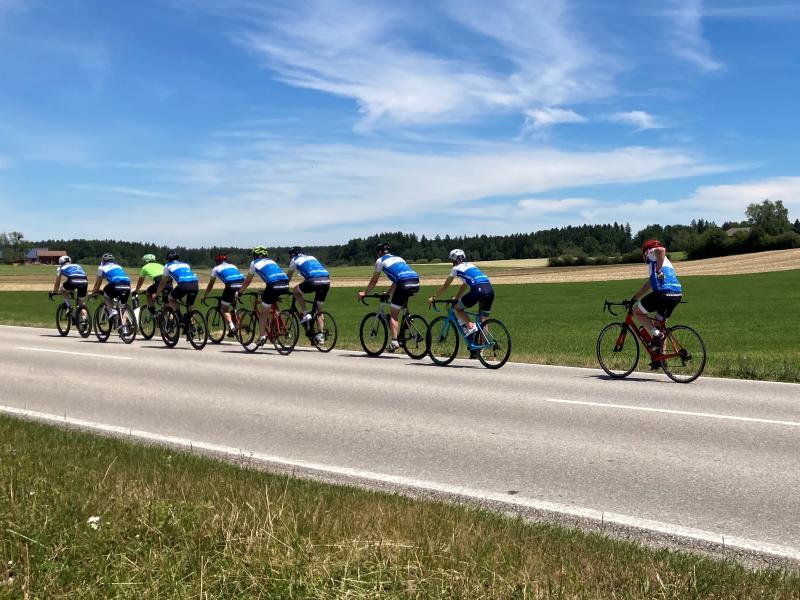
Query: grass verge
x: 92, y: 517
x: 745, y: 320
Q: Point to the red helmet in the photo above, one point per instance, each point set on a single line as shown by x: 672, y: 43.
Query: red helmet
x: 650, y: 244
x: 221, y: 258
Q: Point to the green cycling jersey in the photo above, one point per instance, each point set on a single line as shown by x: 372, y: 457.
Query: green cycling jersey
x: 152, y: 270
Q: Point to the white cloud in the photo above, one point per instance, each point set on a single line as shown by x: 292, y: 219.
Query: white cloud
x: 639, y: 119
x: 686, y: 34
x: 542, y: 118
x: 758, y: 11
x: 539, y: 206
x: 110, y: 190
x: 728, y: 202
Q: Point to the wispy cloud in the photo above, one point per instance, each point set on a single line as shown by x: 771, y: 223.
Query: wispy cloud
x: 542, y: 118
x: 110, y: 190
x: 639, y: 119
x: 754, y: 11
x: 686, y: 34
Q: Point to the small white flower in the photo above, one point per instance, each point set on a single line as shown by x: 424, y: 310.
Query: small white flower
x: 31, y: 493
x: 94, y: 522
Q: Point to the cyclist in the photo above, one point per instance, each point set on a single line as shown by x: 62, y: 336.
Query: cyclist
x: 315, y: 279
x: 277, y: 285
x: 154, y: 271
x: 75, y: 280
x: 186, y: 283
x: 480, y: 291
x: 664, y: 289
x: 232, y: 278
x: 405, y: 283
x: 118, y: 285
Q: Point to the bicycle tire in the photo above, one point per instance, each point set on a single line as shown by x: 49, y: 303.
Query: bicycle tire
x: 612, y: 361
x: 247, y: 329
x: 84, y: 321
x: 102, y: 326
x: 170, y: 327
x: 329, y: 332
x: 148, y: 321
x: 197, y: 332
x: 373, y: 334
x: 413, y: 336
x: 494, y: 332
x: 670, y: 366
x: 127, y: 332
x: 217, y: 325
x: 442, y: 341
x: 63, y: 319
x: 285, y: 332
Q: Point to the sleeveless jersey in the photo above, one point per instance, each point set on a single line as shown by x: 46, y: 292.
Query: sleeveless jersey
x: 227, y: 273
x: 268, y: 270
x: 180, y: 272
x: 395, y: 268
x: 469, y: 274
x: 669, y: 284
x: 308, y: 266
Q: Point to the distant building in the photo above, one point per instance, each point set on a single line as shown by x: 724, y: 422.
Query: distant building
x: 43, y: 256
x: 733, y: 231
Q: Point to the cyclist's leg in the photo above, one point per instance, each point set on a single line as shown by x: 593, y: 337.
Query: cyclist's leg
x: 123, y: 294
x: 109, y: 293
x: 649, y: 304
x: 320, y: 295
x: 81, y: 292
x: 298, y: 291
x: 151, y: 294
x: 228, y: 296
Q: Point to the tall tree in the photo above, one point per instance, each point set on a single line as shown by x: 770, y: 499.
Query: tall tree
x: 770, y: 217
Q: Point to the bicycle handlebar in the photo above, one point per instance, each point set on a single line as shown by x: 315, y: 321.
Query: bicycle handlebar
x: 382, y: 297
x: 627, y: 304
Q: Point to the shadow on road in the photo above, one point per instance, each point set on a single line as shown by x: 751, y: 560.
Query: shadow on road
x: 608, y: 378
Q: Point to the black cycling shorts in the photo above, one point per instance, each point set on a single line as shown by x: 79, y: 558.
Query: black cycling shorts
x: 318, y: 285
x: 79, y: 285
x: 118, y: 290
x: 187, y: 290
x: 482, y: 294
x: 661, y: 303
x: 153, y: 287
x: 274, y: 291
x: 403, y: 290
x: 229, y: 293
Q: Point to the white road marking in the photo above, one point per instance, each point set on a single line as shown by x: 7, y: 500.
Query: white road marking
x: 685, y: 413
x: 75, y: 353
x: 592, y: 514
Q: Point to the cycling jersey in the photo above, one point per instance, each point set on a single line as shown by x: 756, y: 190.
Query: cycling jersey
x: 179, y: 271
x: 469, y: 274
x: 227, y: 273
x: 395, y: 268
x: 268, y: 270
x: 152, y: 270
x: 112, y: 273
x: 669, y: 284
x: 308, y: 266
x: 72, y: 272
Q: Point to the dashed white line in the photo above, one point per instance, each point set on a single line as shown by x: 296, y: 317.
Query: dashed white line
x: 75, y: 353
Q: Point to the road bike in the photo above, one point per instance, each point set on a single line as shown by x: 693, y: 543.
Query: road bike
x: 375, y: 328
x: 147, y: 319
x: 68, y: 315
x: 124, y: 321
x: 282, y: 328
x: 192, y: 322
x: 681, y: 354
x: 320, y: 329
x: 490, y: 343
x: 215, y: 318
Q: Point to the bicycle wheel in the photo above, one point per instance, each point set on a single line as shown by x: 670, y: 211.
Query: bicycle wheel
x: 147, y: 323
x: 197, y: 332
x: 102, y: 326
x: 285, y: 331
x: 685, y: 352
x: 617, y: 350
x: 324, y: 338
x: 127, y: 328
x: 170, y: 327
x: 63, y: 319
x: 442, y: 341
x: 373, y: 334
x: 495, y: 342
x: 247, y: 331
x: 413, y: 331
x: 84, y: 321
x: 217, y: 326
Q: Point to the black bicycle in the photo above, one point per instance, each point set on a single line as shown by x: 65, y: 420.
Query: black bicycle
x: 215, y: 318
x: 320, y: 329
x: 68, y: 315
x: 124, y: 321
x: 375, y: 327
x: 192, y: 322
x: 149, y: 320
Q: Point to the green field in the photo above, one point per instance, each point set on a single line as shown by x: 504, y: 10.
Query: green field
x: 88, y: 517
x: 748, y: 321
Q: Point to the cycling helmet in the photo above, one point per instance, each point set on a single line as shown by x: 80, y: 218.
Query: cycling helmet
x: 260, y: 252
x: 295, y: 250
x: 107, y: 257
x: 221, y: 258
x: 650, y: 244
x: 148, y: 258
x: 64, y: 259
x: 457, y: 255
x: 172, y: 255
x: 383, y: 247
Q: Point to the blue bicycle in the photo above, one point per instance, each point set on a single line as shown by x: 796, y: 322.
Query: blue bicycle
x: 491, y: 342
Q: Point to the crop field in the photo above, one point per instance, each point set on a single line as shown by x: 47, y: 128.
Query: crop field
x: 742, y: 318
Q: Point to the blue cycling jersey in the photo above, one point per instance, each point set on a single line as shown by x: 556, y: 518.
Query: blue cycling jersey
x: 268, y: 270
x: 113, y: 273
x: 71, y: 271
x: 309, y: 267
x: 395, y: 268
x: 669, y: 283
x: 469, y: 274
x: 180, y: 272
x: 227, y: 273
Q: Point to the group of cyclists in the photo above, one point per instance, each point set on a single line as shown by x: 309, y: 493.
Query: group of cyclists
x: 175, y: 279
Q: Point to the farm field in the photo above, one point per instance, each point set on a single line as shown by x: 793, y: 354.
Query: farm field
x: 742, y: 319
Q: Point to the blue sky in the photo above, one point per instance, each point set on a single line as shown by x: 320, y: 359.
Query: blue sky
x: 242, y: 122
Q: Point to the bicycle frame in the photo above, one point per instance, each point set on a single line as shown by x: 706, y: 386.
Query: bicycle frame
x: 452, y: 321
x: 274, y: 327
x: 655, y: 356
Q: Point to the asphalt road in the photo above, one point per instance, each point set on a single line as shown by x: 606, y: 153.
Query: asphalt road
x: 716, y: 458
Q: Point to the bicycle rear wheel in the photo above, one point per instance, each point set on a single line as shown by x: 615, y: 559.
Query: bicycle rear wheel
x: 284, y: 330
x: 496, y: 344
x: 324, y: 338
x: 170, y: 327
x: 442, y: 341
x: 197, y: 333
x: 217, y: 326
x: 685, y: 354
x: 127, y: 329
x: 147, y: 323
x: 63, y: 319
x: 373, y: 334
x: 617, y: 350
x: 84, y: 321
x: 247, y: 330
x: 412, y: 337
x: 102, y: 326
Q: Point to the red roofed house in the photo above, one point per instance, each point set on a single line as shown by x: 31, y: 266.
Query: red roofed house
x: 43, y: 256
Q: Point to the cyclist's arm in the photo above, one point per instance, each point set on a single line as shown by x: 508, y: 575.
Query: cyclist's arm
x: 371, y: 285
x: 139, y: 284
x: 460, y: 291
x: 246, y: 283
x: 442, y: 289
x: 97, y: 281
x: 642, y: 291
x: 661, y: 254
x: 57, y: 283
x: 209, y: 286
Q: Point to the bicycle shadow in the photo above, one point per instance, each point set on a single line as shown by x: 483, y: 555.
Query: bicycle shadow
x: 609, y: 378
x: 380, y: 356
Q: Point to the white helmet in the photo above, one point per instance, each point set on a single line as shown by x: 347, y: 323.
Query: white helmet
x: 64, y: 259
x: 457, y: 255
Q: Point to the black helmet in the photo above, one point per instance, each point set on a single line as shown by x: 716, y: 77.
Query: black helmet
x: 172, y: 255
x: 383, y: 247
x: 295, y: 250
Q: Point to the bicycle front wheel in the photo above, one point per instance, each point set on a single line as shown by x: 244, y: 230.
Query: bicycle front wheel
x: 442, y: 341
x: 617, y: 350
x: 147, y: 323
x: 684, y: 354
x: 285, y: 330
x: 170, y: 327
x: 413, y: 332
x: 63, y: 319
x: 197, y: 334
x: 325, y: 334
x: 102, y: 326
x: 217, y: 327
x: 373, y: 334
x: 127, y: 328
x: 494, y: 343
x: 247, y: 329
x: 84, y: 322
